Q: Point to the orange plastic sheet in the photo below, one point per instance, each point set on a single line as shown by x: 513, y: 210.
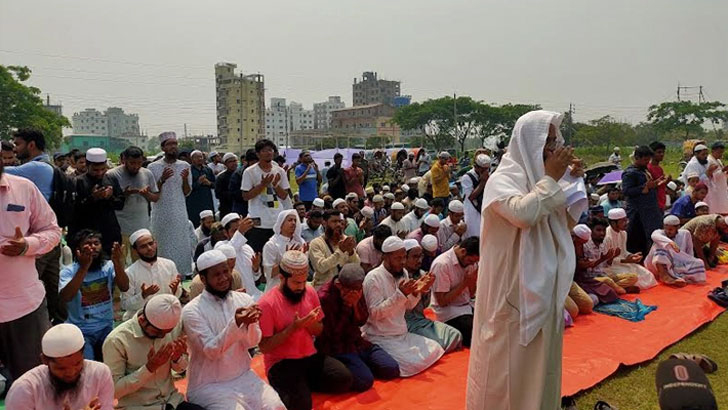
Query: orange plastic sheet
x: 593, y: 350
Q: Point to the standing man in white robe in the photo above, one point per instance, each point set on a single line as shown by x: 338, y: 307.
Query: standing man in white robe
x: 698, y: 164
x: 473, y: 183
x: 717, y: 198
x: 526, y: 269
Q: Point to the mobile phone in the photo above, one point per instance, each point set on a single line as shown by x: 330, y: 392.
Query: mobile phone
x: 256, y: 221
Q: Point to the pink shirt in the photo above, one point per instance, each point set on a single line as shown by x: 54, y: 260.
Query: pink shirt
x: 368, y: 253
x: 22, y: 205
x: 278, y: 313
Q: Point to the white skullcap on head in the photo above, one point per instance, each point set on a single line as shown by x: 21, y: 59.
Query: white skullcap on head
x: 594, y: 197
x: 482, y: 160
x: 378, y: 198
x: 226, y: 249
x: 671, y: 220
x: 228, y: 156
x: 432, y: 220
x: 410, y: 243
x: 693, y: 175
x: 338, y: 202
x: 444, y: 154
x: 229, y: 218
x: 96, y: 155
x: 582, y: 231
x: 168, y: 135
x: 455, y: 206
x: 369, y: 190
x: 699, y: 147
x: 413, y: 180
x: 210, y: 258
x: 352, y: 195
x: 672, y: 185
x: 163, y: 311
x: 389, y: 195
x: 206, y: 214
x: 294, y: 261
x: 429, y: 243
x: 616, y: 214
x: 138, y: 234
x: 385, y: 188
x: 62, y: 340
x: 421, y: 203
x: 405, y: 187
x: 699, y: 204
x: 391, y: 244
x: 195, y: 152
x: 368, y: 212
x: 397, y: 206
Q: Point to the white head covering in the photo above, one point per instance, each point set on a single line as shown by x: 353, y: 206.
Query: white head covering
x: 195, y: 152
x: 96, y: 155
x: 337, y: 202
x: 368, y: 212
x: 482, y: 160
x: 385, y: 188
x: 671, y: 220
x: 138, y: 234
x: 699, y: 147
x: 167, y: 135
x: 229, y: 218
x: 693, y: 175
x: 281, y: 241
x: 701, y: 203
x: 582, y: 231
x: 397, y: 206
x: 405, y: 188
x: 227, y: 249
x: 616, y: 214
x: 672, y: 185
x: 429, y: 243
x: 352, y: 195
x: 413, y: 180
x: 389, y: 195
x: 391, y: 244
x: 410, y: 243
x: 432, y: 220
x: 421, y: 203
x: 455, y: 206
x: 319, y: 202
x: 547, y: 260
x: 210, y: 258
x: 62, y: 340
x: 206, y: 213
x: 228, y: 156
x: 378, y: 198
x: 163, y: 311
x: 594, y: 197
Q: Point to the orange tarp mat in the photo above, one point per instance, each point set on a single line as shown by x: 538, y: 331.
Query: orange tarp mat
x: 593, y: 349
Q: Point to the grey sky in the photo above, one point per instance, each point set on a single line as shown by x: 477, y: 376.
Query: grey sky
x: 156, y: 57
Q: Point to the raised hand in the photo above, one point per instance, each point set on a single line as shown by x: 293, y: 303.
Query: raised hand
x: 245, y: 225
x: 577, y: 168
x: 267, y: 179
x: 460, y: 229
x: 16, y: 246
x: 179, y: 347
x: 407, y: 286
x: 424, y: 283
x: 94, y: 404
x: 558, y: 161
x: 185, y: 173
x: 98, y: 192
x: 128, y: 191
x: 276, y: 179
x: 155, y: 360
x: 247, y: 315
x: 174, y: 285
x: 167, y: 174
x: 255, y: 261
x: 117, y: 253
x: 85, y: 256
x: 149, y: 290
x: 308, y: 320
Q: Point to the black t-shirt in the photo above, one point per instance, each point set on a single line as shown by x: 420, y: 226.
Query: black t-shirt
x: 336, y: 190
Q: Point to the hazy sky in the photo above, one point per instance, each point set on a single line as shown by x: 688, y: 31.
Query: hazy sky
x: 156, y: 58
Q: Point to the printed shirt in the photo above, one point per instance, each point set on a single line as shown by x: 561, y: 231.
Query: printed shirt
x: 91, y: 308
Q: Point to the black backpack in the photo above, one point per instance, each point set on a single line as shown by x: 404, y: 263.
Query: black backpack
x: 63, y: 197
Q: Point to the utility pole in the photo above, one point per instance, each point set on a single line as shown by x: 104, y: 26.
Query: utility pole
x: 185, y: 130
x: 681, y: 89
x: 570, y: 124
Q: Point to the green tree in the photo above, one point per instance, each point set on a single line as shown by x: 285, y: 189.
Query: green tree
x: 21, y: 106
x: 686, y: 117
x: 604, y: 131
x: 435, y: 119
x: 498, y: 121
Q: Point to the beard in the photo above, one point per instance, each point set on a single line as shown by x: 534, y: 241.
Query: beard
x: 293, y: 297
x: 398, y: 275
x: 205, y: 230
x: 702, y: 161
x: 332, y: 233
x: 148, y: 259
x: 222, y: 294
x: 98, y: 262
x: 61, y: 387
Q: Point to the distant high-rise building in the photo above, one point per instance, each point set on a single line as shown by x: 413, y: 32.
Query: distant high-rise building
x: 322, y: 112
x: 111, y: 123
x: 56, y: 108
x: 281, y: 119
x: 90, y: 122
x: 240, y: 107
x: 122, y: 125
x: 372, y: 90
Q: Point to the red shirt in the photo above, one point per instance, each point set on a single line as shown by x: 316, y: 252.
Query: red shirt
x: 278, y: 313
x: 657, y: 172
x: 352, y: 181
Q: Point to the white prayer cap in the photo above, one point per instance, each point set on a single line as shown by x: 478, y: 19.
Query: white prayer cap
x: 617, y: 149
x: 163, y: 311
x: 616, y: 214
x: 410, y: 243
x: 338, y: 202
x: 96, y: 155
x: 671, y: 220
x: 319, y: 202
x: 138, y: 235
x: 693, y: 175
x: 62, y: 340
x: 405, y: 187
x: 429, y: 243
x: 421, y: 203
x: 699, y: 147
x: 482, y: 160
x: 385, y: 188
x: 455, y: 206
x: 378, y: 198
x: 165, y: 136
x: 397, y: 206
x: 367, y: 212
x: 352, y: 195
x: 210, y: 258
x: 206, y: 214
x: 699, y: 204
x: 369, y: 190
x: 229, y: 218
x: 392, y: 244
x: 228, y: 156
x: 672, y: 185
x: 432, y: 220
x: 594, y: 197
x: 195, y: 152
x: 582, y: 231
x: 444, y: 154
x: 212, y: 154
x: 226, y: 249
x: 413, y: 180
x: 389, y: 195
x: 294, y: 261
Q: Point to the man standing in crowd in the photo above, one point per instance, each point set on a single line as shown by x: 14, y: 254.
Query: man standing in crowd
x: 657, y: 173
x: 8, y: 153
x: 336, y: 179
x: 28, y: 229
x: 265, y: 186
x: 354, y: 177
x: 174, y: 182
x: 216, y: 164
x: 78, y: 163
x: 222, y: 184
x: 140, y: 189
x: 698, y: 164
x: 473, y: 183
x: 308, y: 179
x: 441, y: 177
x: 409, y: 167
x: 640, y: 192
x: 203, y: 182
x: 240, y: 205
x: 717, y: 198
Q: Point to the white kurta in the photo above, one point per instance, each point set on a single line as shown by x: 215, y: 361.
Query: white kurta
x: 160, y: 273
x: 220, y: 377
x: 34, y: 391
x: 694, y: 166
x: 396, y: 226
x: 244, y: 264
x: 411, y: 221
x: 717, y: 198
x: 199, y: 234
x: 679, y: 264
x: 618, y: 240
x: 472, y: 215
x: 387, y: 326
x: 277, y: 245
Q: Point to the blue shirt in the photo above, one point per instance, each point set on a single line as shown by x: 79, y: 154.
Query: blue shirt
x: 91, y: 309
x: 307, y: 187
x: 683, y: 207
x: 38, y: 170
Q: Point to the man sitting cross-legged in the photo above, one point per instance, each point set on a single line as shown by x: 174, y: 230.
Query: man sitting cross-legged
x: 671, y: 256
x: 627, y: 265
x: 597, y: 257
x: 221, y: 327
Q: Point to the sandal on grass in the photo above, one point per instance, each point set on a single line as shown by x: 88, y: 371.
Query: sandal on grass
x: 719, y: 296
x: 705, y: 362
x: 603, y: 405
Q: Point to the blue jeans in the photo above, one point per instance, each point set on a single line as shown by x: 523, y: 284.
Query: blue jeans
x: 367, y: 364
x: 94, y: 341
